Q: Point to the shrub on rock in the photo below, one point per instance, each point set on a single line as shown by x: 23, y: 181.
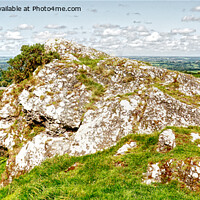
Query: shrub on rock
x: 24, y: 64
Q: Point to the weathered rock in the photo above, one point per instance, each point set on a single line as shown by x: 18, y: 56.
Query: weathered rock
x: 41, y: 147
x: 87, y: 102
x: 125, y: 148
x: 186, y: 171
x: 153, y: 174
x: 67, y: 49
x: 166, y: 141
x: 195, y: 136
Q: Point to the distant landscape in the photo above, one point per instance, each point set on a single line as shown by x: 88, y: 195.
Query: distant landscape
x: 3, y: 66
x: 189, y: 65
x: 3, y: 62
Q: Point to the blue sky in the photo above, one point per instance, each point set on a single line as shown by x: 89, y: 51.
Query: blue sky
x: 123, y: 28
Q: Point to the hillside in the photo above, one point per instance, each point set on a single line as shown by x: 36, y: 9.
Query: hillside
x: 87, y: 102
x: 105, y: 176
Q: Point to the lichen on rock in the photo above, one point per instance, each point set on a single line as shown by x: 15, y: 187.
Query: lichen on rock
x: 166, y: 141
x: 186, y: 171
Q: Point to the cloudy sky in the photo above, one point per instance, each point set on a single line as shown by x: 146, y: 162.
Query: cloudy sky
x: 123, y: 28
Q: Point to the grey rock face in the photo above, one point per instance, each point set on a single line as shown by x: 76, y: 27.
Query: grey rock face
x: 126, y: 147
x: 87, y: 102
x: 166, y: 141
x: 59, y: 105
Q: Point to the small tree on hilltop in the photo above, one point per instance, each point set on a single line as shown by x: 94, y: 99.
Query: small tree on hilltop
x: 24, y: 64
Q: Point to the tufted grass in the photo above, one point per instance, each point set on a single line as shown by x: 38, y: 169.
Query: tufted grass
x: 172, y: 91
x: 96, y: 88
x: 92, y: 63
x: 2, y: 164
x: 1, y: 94
x: 105, y: 176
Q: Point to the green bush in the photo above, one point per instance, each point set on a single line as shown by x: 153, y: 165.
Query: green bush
x: 5, y: 78
x: 23, y: 65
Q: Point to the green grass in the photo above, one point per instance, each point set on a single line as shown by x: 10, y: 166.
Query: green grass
x: 92, y: 63
x: 2, y: 164
x: 97, y: 69
x: 193, y: 73
x: 96, y: 88
x: 172, y: 90
x: 99, y: 176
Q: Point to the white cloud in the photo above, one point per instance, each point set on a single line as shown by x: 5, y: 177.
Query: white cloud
x: 136, y: 43
x: 10, y: 47
x: 192, y: 37
x: 13, y: 35
x: 190, y: 19
x: 197, y: 8
x: 105, y: 26
x: 155, y: 36
x: 4, y: 48
x: 140, y: 40
x: 114, y: 46
x: 54, y: 26
x: 183, y: 31
x: 109, y: 31
x: 1, y: 28
x: 25, y: 27
x: 144, y: 33
x: 141, y: 29
x: 111, y: 40
x: 115, y: 39
x: 171, y: 44
x: 44, y: 35
x: 127, y: 32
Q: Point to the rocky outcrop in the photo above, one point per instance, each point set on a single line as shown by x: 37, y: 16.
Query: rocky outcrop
x: 166, y: 141
x: 87, y: 102
x: 187, y: 171
x: 126, y: 147
x: 195, y: 136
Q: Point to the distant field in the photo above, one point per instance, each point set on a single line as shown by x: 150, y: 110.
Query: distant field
x: 184, y: 64
x: 3, y: 66
x: 3, y: 62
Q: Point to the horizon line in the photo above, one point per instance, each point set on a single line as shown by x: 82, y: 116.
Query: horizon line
x: 130, y: 56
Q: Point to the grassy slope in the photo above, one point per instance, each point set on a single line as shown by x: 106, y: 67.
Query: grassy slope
x: 2, y: 164
x: 105, y: 176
